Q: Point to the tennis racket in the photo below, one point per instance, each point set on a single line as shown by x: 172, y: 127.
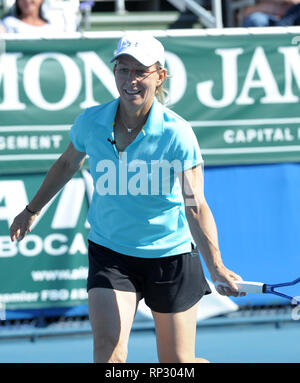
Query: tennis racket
x: 264, y: 288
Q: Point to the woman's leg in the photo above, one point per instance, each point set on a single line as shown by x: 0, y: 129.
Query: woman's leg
x: 111, y: 314
x: 176, y: 335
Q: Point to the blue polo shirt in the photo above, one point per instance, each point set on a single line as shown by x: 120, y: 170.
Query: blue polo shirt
x: 137, y: 207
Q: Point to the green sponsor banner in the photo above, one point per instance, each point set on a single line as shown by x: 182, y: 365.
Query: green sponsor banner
x: 239, y: 91
x: 48, y: 268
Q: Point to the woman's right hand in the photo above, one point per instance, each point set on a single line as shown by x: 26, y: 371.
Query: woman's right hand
x: 21, y: 225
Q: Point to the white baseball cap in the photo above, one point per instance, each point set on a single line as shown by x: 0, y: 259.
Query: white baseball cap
x: 142, y: 47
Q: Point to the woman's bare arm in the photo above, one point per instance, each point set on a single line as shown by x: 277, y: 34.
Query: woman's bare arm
x: 203, y: 228
x: 59, y: 174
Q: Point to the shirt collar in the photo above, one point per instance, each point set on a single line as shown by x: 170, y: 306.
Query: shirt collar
x: 153, y: 125
x: 108, y: 113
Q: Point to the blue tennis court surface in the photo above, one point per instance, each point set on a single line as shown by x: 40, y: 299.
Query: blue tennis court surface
x: 260, y: 337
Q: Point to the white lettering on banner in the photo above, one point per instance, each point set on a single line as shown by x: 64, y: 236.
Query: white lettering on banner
x: 32, y: 80
x: 260, y: 66
x: 32, y: 245
x: 13, y: 198
x: 260, y: 135
x: 60, y: 275
x: 26, y: 142
x: 51, y: 295
x: 93, y: 65
x: 56, y: 237
x: 54, y: 295
x: 69, y: 205
x: 22, y: 296
x: 78, y: 294
x: 292, y: 67
x: 9, y: 77
x: 258, y: 76
x: 78, y: 245
x: 62, y: 216
x: 178, y: 80
x: 7, y: 247
x: 230, y: 81
x: 63, y: 295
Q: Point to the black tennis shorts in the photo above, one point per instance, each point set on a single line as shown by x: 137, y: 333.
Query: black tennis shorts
x: 168, y: 285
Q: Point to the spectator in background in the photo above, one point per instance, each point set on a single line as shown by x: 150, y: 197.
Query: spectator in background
x: 272, y: 13
x: 27, y: 17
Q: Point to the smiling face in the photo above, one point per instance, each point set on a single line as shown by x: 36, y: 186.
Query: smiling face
x: 137, y: 83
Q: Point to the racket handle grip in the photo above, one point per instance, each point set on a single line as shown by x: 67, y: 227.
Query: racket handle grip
x: 245, y: 286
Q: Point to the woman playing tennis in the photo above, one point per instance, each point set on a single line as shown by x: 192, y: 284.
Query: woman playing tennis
x: 147, y: 214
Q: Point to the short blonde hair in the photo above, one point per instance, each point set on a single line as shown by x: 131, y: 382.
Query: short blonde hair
x: 161, y: 92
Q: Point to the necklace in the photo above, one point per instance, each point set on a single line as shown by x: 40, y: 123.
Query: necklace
x: 129, y: 130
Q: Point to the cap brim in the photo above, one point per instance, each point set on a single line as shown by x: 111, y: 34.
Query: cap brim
x: 141, y: 57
